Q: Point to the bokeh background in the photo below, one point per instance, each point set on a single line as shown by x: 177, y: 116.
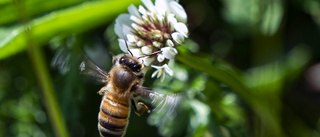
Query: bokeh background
x: 250, y: 68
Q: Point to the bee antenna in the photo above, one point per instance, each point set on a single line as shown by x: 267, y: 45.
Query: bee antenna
x: 151, y: 54
x: 125, y: 40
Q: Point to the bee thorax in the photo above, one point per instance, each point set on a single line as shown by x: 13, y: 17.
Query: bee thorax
x: 123, y: 80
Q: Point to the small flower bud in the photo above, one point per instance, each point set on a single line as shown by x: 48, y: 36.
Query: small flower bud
x: 141, y: 43
x: 166, y: 36
x: 142, y: 33
x: 146, y: 49
x: 169, y: 43
x: 160, y: 58
x: 156, y: 44
x: 156, y: 34
x: 137, y: 27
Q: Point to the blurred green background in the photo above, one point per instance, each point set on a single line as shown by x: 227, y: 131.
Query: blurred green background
x: 251, y: 68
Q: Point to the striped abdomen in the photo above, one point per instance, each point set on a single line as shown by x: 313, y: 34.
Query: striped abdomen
x: 113, y: 116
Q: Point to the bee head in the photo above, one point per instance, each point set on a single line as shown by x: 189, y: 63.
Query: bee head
x: 131, y: 62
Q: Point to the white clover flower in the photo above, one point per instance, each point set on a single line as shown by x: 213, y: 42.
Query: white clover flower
x: 169, y: 52
x: 161, y: 70
x: 153, y: 28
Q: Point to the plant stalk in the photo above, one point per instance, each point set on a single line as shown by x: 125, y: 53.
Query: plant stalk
x: 48, y: 95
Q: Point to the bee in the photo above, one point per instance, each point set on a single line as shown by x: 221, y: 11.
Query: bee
x: 124, y: 81
x: 123, y: 88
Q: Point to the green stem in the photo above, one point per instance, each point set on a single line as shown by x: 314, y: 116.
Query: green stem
x: 49, y: 98
x: 38, y: 62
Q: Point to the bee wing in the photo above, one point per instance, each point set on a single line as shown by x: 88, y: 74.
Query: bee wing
x: 62, y: 61
x: 89, y: 68
x: 162, y: 103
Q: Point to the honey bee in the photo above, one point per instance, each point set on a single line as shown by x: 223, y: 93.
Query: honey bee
x: 124, y: 82
x: 122, y: 91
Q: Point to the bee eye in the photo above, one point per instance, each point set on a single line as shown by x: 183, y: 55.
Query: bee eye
x: 135, y: 67
x: 122, y: 61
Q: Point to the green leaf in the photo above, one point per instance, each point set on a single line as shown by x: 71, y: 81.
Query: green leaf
x: 29, y: 8
x: 64, y: 23
x: 272, y: 18
x: 221, y: 72
x: 266, y: 80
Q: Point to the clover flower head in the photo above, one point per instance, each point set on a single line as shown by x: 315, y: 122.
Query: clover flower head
x: 153, y: 28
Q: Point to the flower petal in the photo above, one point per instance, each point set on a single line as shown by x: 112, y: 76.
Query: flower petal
x: 161, y: 6
x: 142, y: 10
x: 148, y: 60
x: 136, y: 19
x: 122, y: 19
x: 171, y: 19
x: 160, y: 19
x: 134, y: 11
x: 160, y: 73
x: 157, y: 67
x: 154, y: 73
x: 126, y: 30
x: 169, y: 52
x: 149, y: 5
x: 136, y: 52
x: 122, y: 45
x: 179, y: 11
x: 182, y: 28
x: 162, y: 77
x: 118, y: 30
x: 168, y: 70
x: 178, y: 37
x: 131, y: 38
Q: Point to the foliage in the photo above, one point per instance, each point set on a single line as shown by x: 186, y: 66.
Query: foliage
x: 246, y: 70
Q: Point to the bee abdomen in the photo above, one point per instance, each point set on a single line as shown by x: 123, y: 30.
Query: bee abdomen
x: 108, y: 130
x: 113, y: 117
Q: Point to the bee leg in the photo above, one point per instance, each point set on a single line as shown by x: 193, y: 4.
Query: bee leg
x: 102, y: 90
x: 139, y: 108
